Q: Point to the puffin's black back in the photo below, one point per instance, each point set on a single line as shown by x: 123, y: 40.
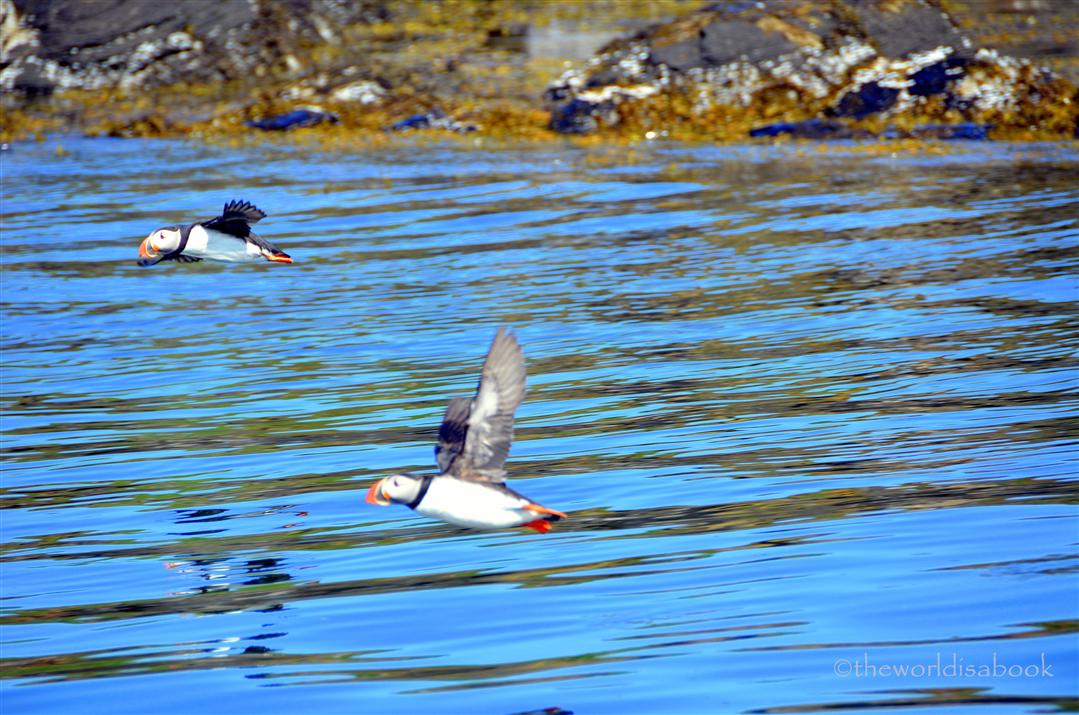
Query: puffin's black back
x: 236, y: 219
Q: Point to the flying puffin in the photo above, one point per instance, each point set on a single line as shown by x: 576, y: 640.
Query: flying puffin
x: 473, y: 443
x: 227, y: 237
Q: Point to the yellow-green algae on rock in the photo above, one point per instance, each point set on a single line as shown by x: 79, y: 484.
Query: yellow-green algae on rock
x: 830, y: 67
x: 473, y: 61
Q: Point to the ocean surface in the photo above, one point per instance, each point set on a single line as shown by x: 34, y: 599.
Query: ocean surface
x: 810, y: 409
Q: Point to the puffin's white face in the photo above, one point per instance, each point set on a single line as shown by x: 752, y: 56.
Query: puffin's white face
x: 398, y: 488
x: 157, y: 244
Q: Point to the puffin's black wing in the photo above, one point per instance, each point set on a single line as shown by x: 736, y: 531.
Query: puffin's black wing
x: 490, y: 419
x: 236, y: 219
x: 451, y: 435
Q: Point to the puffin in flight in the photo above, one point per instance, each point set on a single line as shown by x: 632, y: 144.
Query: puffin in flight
x: 473, y: 443
x: 227, y: 237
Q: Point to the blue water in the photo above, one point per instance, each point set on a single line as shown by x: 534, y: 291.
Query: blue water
x: 810, y: 411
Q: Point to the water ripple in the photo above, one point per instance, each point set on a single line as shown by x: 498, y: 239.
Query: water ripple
x: 800, y: 406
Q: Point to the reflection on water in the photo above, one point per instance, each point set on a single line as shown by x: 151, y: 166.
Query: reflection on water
x: 804, y: 408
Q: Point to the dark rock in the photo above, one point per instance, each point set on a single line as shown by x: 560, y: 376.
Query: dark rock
x: 103, y: 31
x: 868, y: 99
x: 416, y: 121
x: 745, y: 63
x: 32, y: 80
x: 295, y: 119
x: 434, y: 119
x: 934, y: 78
x: 965, y: 131
x: 680, y: 55
x: 903, y: 27
x: 110, y: 42
x: 809, y: 129
x: 574, y: 117
x: 584, y: 113
x: 148, y: 43
x: 716, y: 39
x: 737, y: 40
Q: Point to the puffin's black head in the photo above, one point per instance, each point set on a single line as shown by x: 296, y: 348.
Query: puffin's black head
x: 394, y: 489
x: 159, y: 244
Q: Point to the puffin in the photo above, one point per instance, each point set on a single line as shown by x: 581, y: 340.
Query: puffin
x: 473, y: 443
x: 227, y: 237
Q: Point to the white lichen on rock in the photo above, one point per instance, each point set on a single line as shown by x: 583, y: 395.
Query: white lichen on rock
x: 361, y: 91
x: 994, y: 90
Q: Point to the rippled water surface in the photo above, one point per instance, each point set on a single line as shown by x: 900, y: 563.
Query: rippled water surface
x: 809, y: 411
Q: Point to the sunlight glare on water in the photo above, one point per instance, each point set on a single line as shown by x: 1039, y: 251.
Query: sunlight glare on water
x: 810, y: 414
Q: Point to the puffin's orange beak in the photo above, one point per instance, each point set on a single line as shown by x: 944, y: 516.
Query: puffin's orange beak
x: 147, y: 254
x: 146, y: 250
x: 280, y: 258
x: 375, y: 495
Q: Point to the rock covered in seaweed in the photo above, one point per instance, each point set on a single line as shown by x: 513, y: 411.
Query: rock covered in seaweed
x: 434, y: 119
x: 50, y: 45
x: 295, y: 119
x: 812, y: 68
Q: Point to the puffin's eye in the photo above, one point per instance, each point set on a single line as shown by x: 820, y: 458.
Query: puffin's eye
x: 396, y: 483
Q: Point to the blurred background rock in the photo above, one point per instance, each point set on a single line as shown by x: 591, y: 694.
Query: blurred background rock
x: 354, y: 69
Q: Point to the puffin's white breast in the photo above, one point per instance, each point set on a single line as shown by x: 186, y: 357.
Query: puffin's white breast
x: 472, y: 504
x: 217, y: 246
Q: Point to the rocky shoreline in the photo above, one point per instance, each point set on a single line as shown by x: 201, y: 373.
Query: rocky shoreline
x: 346, y: 71
x: 814, y: 68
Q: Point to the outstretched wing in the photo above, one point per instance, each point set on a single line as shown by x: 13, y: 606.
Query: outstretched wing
x: 476, y: 448
x: 451, y: 435
x: 236, y: 219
